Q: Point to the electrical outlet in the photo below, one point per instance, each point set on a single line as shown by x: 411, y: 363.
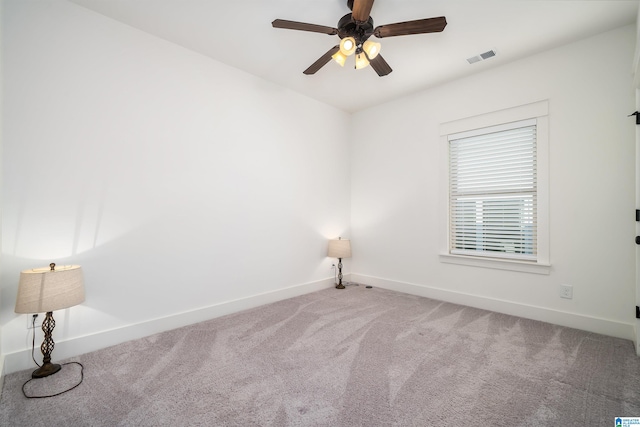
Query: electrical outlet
x: 566, y: 291
x: 31, y: 324
x: 333, y: 266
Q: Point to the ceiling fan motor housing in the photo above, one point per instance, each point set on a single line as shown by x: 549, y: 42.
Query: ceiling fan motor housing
x: 348, y: 27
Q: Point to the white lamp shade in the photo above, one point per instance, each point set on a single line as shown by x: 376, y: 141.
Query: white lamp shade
x: 339, y: 248
x: 339, y: 57
x: 372, y: 48
x: 347, y: 46
x: 42, y: 290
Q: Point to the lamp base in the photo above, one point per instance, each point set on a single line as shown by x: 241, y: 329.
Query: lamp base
x: 45, y: 370
x: 340, y: 286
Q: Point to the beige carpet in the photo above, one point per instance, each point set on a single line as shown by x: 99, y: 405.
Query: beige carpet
x: 353, y: 357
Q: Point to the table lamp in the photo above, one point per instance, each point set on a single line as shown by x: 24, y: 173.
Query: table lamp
x: 45, y: 290
x: 339, y: 249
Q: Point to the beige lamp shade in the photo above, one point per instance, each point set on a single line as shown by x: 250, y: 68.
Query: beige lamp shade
x: 339, y: 248
x: 42, y: 290
x: 348, y: 46
x: 372, y: 48
x: 361, y: 61
x: 340, y: 58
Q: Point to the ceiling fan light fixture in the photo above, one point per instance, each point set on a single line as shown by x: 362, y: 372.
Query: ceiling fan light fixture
x: 339, y: 57
x: 348, y: 46
x: 361, y: 61
x: 354, y: 30
x: 371, y: 48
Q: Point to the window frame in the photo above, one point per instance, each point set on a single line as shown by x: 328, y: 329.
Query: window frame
x: 537, y: 111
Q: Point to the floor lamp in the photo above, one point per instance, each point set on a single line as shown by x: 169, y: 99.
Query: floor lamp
x: 339, y: 249
x: 43, y: 290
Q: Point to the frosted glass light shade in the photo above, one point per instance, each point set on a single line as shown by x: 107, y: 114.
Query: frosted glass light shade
x: 339, y: 57
x: 339, y: 248
x: 372, y: 48
x: 42, y: 290
x: 361, y: 61
x: 348, y: 46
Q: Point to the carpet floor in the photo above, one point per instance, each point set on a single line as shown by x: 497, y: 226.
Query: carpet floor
x: 353, y: 357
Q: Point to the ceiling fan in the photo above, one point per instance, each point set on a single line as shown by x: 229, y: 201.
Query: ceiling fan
x: 354, y: 30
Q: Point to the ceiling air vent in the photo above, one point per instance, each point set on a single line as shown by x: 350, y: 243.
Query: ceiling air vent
x: 481, y: 57
x: 488, y: 54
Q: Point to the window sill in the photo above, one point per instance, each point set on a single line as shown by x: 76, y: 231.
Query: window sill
x: 499, y: 264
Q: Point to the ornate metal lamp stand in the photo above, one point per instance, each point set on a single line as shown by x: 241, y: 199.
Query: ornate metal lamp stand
x: 47, y: 346
x: 339, y: 285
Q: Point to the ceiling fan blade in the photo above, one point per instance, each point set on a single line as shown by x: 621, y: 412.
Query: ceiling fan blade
x: 302, y: 26
x: 419, y: 26
x: 361, y: 10
x: 380, y: 65
x: 322, y: 61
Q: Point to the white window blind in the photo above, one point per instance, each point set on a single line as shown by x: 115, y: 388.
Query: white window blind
x: 493, y: 192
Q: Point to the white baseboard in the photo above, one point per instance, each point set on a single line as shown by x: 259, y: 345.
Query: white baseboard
x: 21, y: 360
x: 578, y: 321
x: 1, y: 374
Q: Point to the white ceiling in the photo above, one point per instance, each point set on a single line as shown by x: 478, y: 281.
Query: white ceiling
x: 239, y: 33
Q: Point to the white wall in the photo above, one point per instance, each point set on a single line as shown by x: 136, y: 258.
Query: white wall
x: 397, y: 211
x: 178, y: 183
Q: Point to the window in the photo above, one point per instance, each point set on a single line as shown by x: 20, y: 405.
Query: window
x: 495, y: 194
